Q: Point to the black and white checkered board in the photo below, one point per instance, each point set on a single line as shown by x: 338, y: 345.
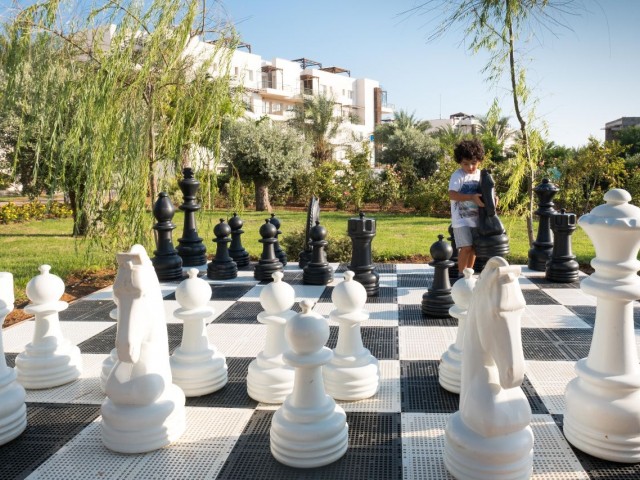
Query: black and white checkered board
x: 398, y: 434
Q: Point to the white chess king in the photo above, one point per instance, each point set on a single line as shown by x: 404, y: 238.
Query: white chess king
x: 143, y: 410
x: 490, y: 438
x: 602, y: 414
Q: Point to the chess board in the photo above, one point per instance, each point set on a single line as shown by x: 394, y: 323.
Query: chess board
x: 397, y: 434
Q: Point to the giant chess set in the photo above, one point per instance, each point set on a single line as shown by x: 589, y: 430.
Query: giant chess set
x: 268, y: 370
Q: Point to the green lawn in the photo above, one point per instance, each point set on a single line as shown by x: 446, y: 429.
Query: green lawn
x: 25, y: 246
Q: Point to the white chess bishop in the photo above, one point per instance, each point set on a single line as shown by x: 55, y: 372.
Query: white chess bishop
x: 309, y: 429
x: 352, y: 373
x: 49, y: 360
x: 602, y: 414
x: 269, y: 378
x: 13, y: 410
x: 490, y: 438
x: 197, y: 367
x: 143, y: 410
x: 450, y: 368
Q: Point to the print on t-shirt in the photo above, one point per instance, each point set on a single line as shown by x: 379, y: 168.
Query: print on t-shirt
x: 468, y: 208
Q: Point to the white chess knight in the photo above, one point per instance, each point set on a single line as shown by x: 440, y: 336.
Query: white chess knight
x: 489, y: 438
x: 110, y: 361
x: 602, y: 414
x: 13, y: 410
x: 143, y: 410
x: 352, y: 373
x: 197, y: 367
x: 49, y: 360
x: 450, y: 368
x: 309, y: 430
x: 269, y: 378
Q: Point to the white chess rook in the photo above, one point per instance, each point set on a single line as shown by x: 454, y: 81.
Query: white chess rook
x: 309, y: 429
x: 352, y: 373
x: 450, y: 368
x: 13, y: 410
x: 489, y: 438
x: 143, y: 410
x: 196, y: 366
x: 269, y: 378
x: 602, y: 414
x: 49, y: 360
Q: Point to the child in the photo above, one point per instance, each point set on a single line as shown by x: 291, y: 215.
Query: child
x: 465, y: 199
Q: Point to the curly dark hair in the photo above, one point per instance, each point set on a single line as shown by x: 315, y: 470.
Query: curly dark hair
x: 469, y: 150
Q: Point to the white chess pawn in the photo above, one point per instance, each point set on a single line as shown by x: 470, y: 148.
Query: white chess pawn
x: 269, y: 378
x: 110, y: 361
x: 196, y: 366
x: 602, y: 414
x: 13, y: 411
x: 49, y: 360
x: 309, y: 429
x: 352, y: 373
x: 450, y: 368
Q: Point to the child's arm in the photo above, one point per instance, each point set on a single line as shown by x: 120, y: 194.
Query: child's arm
x: 465, y: 197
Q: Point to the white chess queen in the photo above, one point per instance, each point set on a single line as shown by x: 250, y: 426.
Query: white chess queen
x: 143, y: 410
x: 489, y: 438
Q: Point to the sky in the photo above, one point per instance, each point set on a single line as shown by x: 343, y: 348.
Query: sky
x: 582, y: 75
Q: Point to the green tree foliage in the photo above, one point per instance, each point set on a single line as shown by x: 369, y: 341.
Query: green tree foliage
x: 586, y: 176
x: 402, y: 120
x: 421, y: 149
x: 629, y: 137
x: 103, y: 119
x: 264, y: 152
x: 495, y: 132
x: 497, y: 27
x: 316, y: 118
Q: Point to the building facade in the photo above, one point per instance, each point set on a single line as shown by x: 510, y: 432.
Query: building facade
x: 610, y: 128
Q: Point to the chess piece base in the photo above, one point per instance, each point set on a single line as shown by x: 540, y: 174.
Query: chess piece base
x: 469, y: 456
x: 269, y: 381
x: 315, y: 274
x: 601, y: 416
x: 222, y: 271
x: 168, y: 268
x: 143, y: 428
x: 357, y: 382
x: 435, y: 305
x: 450, y: 369
x: 38, y: 369
x: 241, y: 258
x: 13, y: 410
x: 265, y: 269
x: 309, y: 438
x: 200, y: 373
x: 562, y: 271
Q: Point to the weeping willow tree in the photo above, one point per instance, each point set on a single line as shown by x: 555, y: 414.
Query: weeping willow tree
x: 108, y: 103
x: 502, y: 28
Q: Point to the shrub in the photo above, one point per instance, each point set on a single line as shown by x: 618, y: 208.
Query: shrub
x: 11, y: 213
x: 338, y: 248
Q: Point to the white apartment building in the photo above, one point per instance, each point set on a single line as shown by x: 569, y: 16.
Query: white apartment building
x: 274, y: 87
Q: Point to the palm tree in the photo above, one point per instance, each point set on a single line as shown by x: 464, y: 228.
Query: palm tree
x: 402, y: 121
x: 316, y: 119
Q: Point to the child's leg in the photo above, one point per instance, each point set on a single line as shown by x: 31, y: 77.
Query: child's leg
x: 466, y: 258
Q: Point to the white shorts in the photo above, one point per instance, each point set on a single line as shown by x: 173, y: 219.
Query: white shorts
x: 463, y: 237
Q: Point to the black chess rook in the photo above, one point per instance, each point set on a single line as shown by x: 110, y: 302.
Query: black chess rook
x: 362, y: 232
x: 562, y: 266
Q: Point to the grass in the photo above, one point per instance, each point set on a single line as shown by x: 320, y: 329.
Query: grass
x: 26, y: 246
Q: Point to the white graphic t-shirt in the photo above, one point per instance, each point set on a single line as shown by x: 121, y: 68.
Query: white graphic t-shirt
x: 464, y: 213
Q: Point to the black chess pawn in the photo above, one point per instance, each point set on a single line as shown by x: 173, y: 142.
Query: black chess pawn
x: 166, y: 261
x: 542, y: 247
x: 562, y: 266
x: 190, y: 247
x: 318, y: 271
x: 236, y: 250
x: 437, y: 300
x: 362, y: 231
x: 453, y: 269
x: 490, y: 238
x: 282, y: 256
x: 222, y: 267
x: 268, y: 263
x: 313, y: 216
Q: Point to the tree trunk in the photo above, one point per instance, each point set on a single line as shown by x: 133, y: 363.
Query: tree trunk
x: 153, y: 177
x: 262, y: 196
x: 80, y: 220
